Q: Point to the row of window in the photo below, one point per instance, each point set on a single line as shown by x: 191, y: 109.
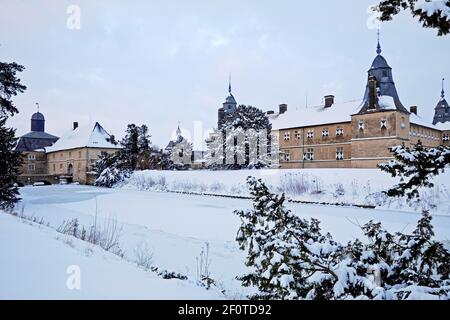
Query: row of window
x: 310, y: 134
x: 308, y: 155
x: 61, y: 155
x: 61, y: 167
x: 383, y: 124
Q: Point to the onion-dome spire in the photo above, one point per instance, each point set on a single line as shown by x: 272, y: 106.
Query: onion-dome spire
x: 178, y: 130
x: 378, y: 46
x: 229, y: 84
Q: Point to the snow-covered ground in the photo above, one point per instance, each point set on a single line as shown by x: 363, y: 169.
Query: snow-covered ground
x: 175, y: 226
x: 347, y: 186
x: 38, y: 263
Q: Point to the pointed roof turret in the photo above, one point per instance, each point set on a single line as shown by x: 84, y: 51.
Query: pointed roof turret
x: 230, y: 100
x: 442, y: 109
x: 381, y: 93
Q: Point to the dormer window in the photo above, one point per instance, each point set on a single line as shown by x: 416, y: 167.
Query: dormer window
x: 31, y: 157
x: 361, y: 125
x: 310, y: 134
x: 287, y: 136
x: 383, y: 124
x: 325, y: 133
x: 339, y: 132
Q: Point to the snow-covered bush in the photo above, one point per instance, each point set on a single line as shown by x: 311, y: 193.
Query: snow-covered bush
x: 110, y: 177
x: 111, y: 169
x: 416, y: 167
x: 291, y: 258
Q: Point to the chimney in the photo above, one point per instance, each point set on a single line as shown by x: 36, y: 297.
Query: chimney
x: 329, y: 101
x: 283, y: 108
x: 373, y: 94
x: 413, y: 109
x: 75, y: 125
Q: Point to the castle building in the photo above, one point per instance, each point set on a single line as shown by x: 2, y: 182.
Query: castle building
x: 73, y: 156
x: 49, y: 159
x: 357, y: 134
x: 32, y: 147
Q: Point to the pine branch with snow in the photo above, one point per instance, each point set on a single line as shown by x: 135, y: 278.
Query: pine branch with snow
x: 291, y: 258
x: 416, y: 167
x: 431, y: 13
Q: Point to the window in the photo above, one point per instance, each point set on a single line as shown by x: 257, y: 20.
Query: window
x: 298, y: 135
x: 70, y: 154
x: 287, y: 156
x: 287, y: 136
x: 79, y: 166
x: 325, y: 133
x: 31, y: 167
x: 310, y: 134
x: 54, y: 167
x: 79, y: 154
x: 445, y: 138
x: 61, y: 166
x: 308, y: 155
x: 54, y: 156
x: 340, y: 154
x: 361, y: 125
x: 339, y: 132
x: 31, y: 157
x: 62, y: 155
x: 383, y: 124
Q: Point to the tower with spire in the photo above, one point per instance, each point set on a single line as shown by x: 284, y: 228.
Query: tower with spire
x: 442, y: 110
x: 381, y: 93
x: 229, y: 106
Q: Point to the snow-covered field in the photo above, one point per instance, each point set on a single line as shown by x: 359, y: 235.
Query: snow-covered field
x: 343, y: 186
x: 175, y: 226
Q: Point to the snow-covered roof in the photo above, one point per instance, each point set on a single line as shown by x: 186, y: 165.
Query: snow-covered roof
x: 84, y: 137
x: 305, y: 117
x: 443, y: 126
x: 415, y: 119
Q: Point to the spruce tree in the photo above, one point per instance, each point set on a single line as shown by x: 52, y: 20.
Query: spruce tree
x: 10, y: 160
x: 9, y: 164
x: 130, y: 144
x: 144, y: 148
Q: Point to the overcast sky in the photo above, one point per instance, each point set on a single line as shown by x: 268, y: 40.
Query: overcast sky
x: 159, y: 62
